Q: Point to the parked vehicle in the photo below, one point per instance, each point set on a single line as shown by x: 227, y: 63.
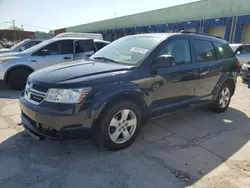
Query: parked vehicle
x: 242, y: 52
x: 245, y: 72
x: 133, y: 79
x: 15, y: 68
x: 80, y: 35
x: 21, y: 46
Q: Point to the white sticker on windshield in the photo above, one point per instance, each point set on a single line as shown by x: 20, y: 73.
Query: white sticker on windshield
x: 138, y: 50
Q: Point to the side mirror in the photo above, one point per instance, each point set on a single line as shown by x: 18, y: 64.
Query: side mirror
x: 238, y: 52
x: 164, y: 61
x: 44, y: 52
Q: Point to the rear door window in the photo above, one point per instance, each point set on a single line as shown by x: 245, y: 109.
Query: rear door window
x: 204, y: 50
x: 83, y: 46
x: 100, y: 45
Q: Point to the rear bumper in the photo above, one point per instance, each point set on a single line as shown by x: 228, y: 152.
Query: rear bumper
x: 40, y: 122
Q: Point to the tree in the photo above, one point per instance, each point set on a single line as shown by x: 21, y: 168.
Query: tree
x: 16, y: 28
x: 51, y: 32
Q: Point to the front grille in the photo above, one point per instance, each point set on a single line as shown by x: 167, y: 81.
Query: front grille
x: 39, y: 88
x: 36, y: 98
x: 35, y: 94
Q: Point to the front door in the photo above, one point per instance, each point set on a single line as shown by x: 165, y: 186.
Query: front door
x: 173, y: 86
x: 58, y: 52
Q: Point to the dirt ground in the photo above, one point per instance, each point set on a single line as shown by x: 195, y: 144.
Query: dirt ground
x: 193, y: 148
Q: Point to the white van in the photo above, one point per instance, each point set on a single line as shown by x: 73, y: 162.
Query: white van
x: 80, y: 35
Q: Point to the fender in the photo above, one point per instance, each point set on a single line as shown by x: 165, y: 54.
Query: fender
x: 17, y: 66
x: 104, y: 97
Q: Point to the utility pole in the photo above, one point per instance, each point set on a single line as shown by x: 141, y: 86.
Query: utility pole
x: 22, y: 32
x: 14, y: 28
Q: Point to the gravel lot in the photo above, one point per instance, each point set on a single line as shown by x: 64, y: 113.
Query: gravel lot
x: 193, y: 148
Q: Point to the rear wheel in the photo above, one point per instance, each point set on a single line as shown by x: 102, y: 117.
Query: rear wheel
x: 120, y: 125
x: 223, y: 99
x: 17, y: 78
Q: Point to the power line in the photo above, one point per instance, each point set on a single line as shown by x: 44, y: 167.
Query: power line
x: 25, y: 24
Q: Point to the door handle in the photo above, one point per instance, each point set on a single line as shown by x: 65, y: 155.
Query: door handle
x: 33, y: 61
x: 67, y: 58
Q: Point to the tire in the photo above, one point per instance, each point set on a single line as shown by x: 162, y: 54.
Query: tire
x: 108, y: 132
x: 218, y: 106
x: 17, y: 78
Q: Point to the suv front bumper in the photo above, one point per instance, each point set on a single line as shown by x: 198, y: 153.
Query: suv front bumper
x: 41, y: 122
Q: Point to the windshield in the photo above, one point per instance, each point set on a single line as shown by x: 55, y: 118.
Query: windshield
x: 36, y: 47
x: 19, y: 44
x: 128, y: 50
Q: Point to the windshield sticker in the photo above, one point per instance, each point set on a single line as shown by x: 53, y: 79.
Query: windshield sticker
x: 138, y: 50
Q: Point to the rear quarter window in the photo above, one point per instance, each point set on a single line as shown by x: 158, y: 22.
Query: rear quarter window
x: 224, y: 51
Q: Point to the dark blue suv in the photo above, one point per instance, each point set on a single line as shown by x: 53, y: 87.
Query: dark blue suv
x: 131, y: 80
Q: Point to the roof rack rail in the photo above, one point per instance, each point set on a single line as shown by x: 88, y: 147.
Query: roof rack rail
x: 198, y: 33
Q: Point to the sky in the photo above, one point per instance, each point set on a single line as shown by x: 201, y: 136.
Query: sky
x: 45, y: 15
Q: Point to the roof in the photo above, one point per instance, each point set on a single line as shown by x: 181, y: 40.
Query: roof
x: 75, y: 38
x: 190, y: 34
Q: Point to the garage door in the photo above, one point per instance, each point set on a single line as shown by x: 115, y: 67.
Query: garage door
x: 168, y: 31
x: 218, y: 31
x: 190, y: 29
x: 245, y: 36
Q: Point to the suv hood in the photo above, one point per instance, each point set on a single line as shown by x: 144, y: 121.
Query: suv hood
x: 12, y: 55
x: 5, y: 51
x: 75, y: 71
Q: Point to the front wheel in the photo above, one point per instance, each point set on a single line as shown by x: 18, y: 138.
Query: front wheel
x: 17, y: 78
x: 120, y: 125
x: 223, y: 99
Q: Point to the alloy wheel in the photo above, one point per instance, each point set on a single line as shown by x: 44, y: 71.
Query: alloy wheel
x: 122, y: 126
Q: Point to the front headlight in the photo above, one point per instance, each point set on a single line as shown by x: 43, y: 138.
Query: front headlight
x: 3, y: 60
x: 69, y: 96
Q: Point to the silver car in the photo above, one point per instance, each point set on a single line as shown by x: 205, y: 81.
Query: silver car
x: 21, y: 46
x: 242, y: 52
x: 16, y: 67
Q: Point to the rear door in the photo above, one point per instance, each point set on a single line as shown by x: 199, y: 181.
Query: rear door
x: 84, y: 48
x: 208, y: 67
x: 58, y: 52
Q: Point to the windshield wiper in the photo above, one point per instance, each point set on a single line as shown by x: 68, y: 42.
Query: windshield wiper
x: 106, y: 59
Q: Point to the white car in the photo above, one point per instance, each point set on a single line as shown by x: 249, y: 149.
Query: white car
x: 242, y: 52
x: 16, y: 67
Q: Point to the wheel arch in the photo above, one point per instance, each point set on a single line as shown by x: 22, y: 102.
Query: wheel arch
x: 132, y: 96
x: 14, y: 68
x: 225, y: 79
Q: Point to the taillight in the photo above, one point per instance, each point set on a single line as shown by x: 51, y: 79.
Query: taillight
x: 238, y: 64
